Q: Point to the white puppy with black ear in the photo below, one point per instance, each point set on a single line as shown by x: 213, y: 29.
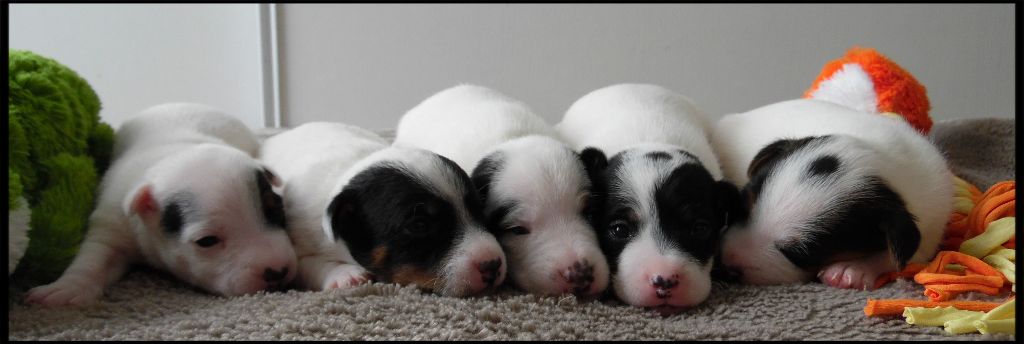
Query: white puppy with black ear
x: 832, y: 192
x: 663, y: 205
x: 359, y: 209
x: 184, y: 194
x: 535, y: 189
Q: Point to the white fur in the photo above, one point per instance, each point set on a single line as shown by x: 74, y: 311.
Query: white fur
x: 865, y: 143
x: 168, y: 150
x: 849, y: 86
x: 17, y: 233
x: 317, y: 160
x: 540, y: 174
x: 636, y: 119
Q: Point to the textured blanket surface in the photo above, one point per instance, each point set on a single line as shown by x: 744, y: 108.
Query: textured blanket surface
x: 147, y: 304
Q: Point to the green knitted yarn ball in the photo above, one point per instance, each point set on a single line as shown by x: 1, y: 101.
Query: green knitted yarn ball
x: 58, y: 149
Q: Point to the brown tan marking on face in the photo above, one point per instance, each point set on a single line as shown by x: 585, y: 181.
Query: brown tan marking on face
x: 378, y: 256
x: 408, y: 274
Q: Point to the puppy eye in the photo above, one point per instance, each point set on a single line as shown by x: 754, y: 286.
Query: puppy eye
x: 620, y: 230
x: 207, y: 241
x: 701, y: 226
x: 418, y: 226
x: 518, y: 230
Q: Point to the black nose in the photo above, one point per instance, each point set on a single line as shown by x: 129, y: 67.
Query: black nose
x: 581, y: 275
x: 270, y: 275
x: 489, y: 271
x: 663, y: 285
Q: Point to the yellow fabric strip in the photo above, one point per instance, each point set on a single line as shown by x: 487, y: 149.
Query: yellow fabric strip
x: 1003, y: 265
x: 1004, y: 311
x: 1007, y: 253
x: 995, y: 326
x: 937, y: 316
x: 997, y: 233
x: 962, y: 325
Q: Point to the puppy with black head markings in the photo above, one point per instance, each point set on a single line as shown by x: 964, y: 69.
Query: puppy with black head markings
x: 360, y: 209
x: 536, y: 190
x: 184, y: 194
x: 832, y: 192
x: 663, y: 204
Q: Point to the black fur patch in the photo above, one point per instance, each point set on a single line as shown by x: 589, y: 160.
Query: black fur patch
x: 270, y: 202
x: 823, y: 166
x: 658, y: 156
x: 173, y: 218
x: 763, y: 164
x: 484, y: 173
x: 871, y: 223
x: 387, y: 206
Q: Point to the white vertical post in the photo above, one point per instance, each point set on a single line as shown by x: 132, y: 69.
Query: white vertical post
x: 269, y: 64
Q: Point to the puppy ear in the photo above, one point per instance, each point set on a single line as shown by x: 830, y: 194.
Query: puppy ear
x: 772, y: 153
x: 483, y: 174
x: 143, y: 203
x: 344, y: 220
x: 901, y: 234
x: 272, y: 177
x: 730, y: 201
x: 594, y: 161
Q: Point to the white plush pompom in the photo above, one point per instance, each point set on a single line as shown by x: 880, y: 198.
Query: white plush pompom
x: 17, y: 227
x: 850, y: 86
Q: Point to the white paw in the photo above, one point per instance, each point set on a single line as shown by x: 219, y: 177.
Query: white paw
x: 851, y: 274
x: 66, y: 291
x: 346, y: 276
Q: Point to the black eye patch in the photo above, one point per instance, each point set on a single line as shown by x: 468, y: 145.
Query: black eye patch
x: 270, y: 202
x: 688, y: 211
x: 873, y: 222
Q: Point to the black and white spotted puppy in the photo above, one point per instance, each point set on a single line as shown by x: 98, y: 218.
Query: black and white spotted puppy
x: 663, y: 205
x: 832, y: 192
x: 359, y: 209
x: 184, y: 194
x: 536, y: 190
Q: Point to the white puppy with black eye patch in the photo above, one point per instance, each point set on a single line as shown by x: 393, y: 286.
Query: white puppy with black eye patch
x: 184, y: 194
x: 535, y: 189
x: 662, y: 202
x: 359, y: 209
x: 831, y: 191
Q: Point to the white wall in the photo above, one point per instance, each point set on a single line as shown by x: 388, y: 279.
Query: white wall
x: 136, y: 56
x: 368, y: 64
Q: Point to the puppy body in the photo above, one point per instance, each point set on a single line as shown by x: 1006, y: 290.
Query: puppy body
x: 358, y: 208
x: 835, y: 169
x: 535, y: 189
x: 184, y: 194
x: 662, y: 204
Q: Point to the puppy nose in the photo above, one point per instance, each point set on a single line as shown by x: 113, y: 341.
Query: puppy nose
x: 489, y: 271
x: 580, y: 275
x: 664, y: 285
x: 271, y: 275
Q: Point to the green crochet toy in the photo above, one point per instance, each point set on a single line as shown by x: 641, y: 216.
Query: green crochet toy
x: 58, y: 150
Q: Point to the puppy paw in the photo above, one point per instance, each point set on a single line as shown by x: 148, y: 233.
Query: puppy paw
x: 66, y: 291
x: 346, y: 276
x: 855, y: 274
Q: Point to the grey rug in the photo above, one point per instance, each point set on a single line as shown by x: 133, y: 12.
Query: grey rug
x: 149, y: 305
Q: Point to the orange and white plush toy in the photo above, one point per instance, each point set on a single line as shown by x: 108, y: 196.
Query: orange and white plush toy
x: 868, y: 81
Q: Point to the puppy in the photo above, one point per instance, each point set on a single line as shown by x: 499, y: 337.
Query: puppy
x: 359, y: 209
x: 832, y: 192
x: 184, y: 194
x: 535, y: 189
x: 663, y: 207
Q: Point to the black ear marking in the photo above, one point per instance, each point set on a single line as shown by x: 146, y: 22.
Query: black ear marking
x: 772, y: 153
x: 594, y: 162
x: 901, y: 234
x: 271, y: 204
x: 172, y: 219
x: 347, y: 221
x: 484, y: 172
x: 730, y: 202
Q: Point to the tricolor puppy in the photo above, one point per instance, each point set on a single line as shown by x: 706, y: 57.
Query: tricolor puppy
x: 535, y: 189
x: 832, y: 192
x: 663, y: 206
x: 359, y: 209
x: 184, y: 194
